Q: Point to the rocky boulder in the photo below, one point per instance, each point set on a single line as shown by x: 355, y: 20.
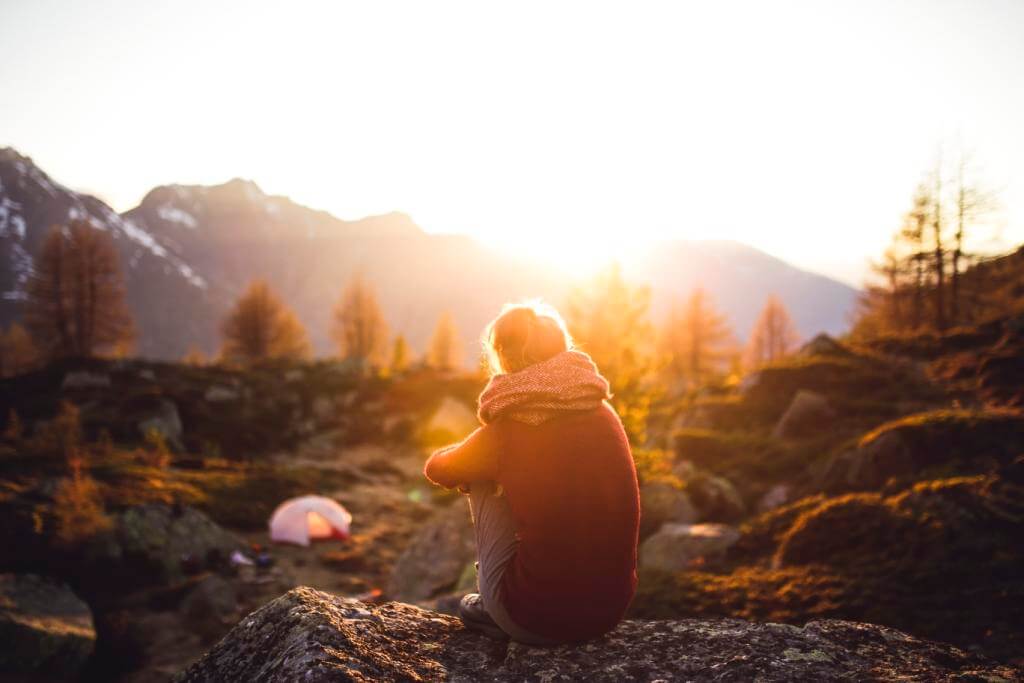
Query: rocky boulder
x: 160, y: 544
x: 306, y: 635
x: 824, y: 345
x: 165, y: 420
x: 808, y: 412
x: 85, y: 380
x: 46, y: 632
x: 677, y: 547
x: 868, y: 465
x: 436, y: 557
x: 924, y: 446
x: 662, y: 503
x: 714, y: 498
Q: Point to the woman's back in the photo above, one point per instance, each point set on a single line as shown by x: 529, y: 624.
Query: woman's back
x: 571, y: 486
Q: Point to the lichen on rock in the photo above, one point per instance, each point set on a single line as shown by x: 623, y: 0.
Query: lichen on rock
x: 312, y: 636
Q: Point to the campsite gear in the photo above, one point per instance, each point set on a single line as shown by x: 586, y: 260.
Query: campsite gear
x: 190, y: 564
x: 566, y: 382
x: 309, y: 518
x: 237, y: 558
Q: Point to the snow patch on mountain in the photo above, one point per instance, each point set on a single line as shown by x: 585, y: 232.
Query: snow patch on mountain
x: 10, y: 219
x: 173, y: 214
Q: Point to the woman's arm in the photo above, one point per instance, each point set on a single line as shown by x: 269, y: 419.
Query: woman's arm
x: 475, y: 458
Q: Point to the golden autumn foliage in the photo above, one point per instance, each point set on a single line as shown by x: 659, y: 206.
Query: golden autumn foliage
x: 358, y: 325
x: 696, y: 340
x: 774, y: 334
x: 17, y: 351
x: 261, y: 327
x: 445, y: 350
x: 76, y: 299
x: 400, y: 355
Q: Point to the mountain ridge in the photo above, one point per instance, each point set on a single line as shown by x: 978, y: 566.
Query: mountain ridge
x: 188, y: 251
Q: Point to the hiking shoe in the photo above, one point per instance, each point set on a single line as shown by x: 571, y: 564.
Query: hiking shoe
x: 475, y: 617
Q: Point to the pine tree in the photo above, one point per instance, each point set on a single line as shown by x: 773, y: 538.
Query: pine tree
x: 774, y: 335
x: 358, y: 325
x: 445, y: 350
x: 261, y: 327
x: 696, y: 340
x: 75, y: 297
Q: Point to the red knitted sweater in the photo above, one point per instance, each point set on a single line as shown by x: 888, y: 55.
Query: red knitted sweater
x: 571, y: 485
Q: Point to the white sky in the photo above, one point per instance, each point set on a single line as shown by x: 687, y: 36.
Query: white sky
x: 565, y: 130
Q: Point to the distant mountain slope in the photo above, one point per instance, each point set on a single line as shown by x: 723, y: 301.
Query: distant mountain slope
x: 189, y: 251
x: 740, y: 278
x: 234, y: 232
x: 168, y: 299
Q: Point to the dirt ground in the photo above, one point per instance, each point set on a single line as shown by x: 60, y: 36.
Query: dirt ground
x: 388, y: 503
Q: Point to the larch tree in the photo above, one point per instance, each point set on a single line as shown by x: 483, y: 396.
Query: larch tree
x: 920, y: 283
x: 400, y: 355
x: 696, y: 340
x: 358, y: 325
x: 970, y: 206
x: 445, y: 350
x: 261, y: 327
x: 774, y: 334
x: 17, y: 351
x: 75, y: 303
x: 608, y: 319
x: 939, y: 257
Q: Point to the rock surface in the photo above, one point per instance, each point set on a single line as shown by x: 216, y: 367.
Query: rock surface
x: 808, y: 412
x: 46, y: 631
x: 714, y: 498
x: 677, y: 546
x: 160, y: 544
x: 436, y: 557
x: 823, y: 345
x: 166, y: 421
x: 662, y: 503
x: 306, y: 635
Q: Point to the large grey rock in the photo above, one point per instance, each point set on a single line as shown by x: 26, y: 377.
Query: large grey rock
x: 714, y: 498
x: 808, y: 412
x: 324, y: 409
x: 677, y: 547
x: 824, y: 345
x: 165, y: 420
x: 662, y: 503
x: 46, y: 631
x: 162, y: 544
x: 867, y: 466
x: 306, y: 635
x: 219, y: 393
x: 85, y: 380
x: 775, y: 497
x: 436, y: 557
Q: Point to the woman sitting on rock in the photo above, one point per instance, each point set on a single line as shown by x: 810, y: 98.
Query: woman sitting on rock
x: 552, y: 488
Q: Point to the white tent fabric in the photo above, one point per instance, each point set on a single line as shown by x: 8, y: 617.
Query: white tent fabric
x: 301, y: 520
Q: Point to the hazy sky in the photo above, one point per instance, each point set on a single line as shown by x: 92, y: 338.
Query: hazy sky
x: 568, y: 130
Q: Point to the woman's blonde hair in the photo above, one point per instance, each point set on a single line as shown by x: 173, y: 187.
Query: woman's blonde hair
x: 524, y: 334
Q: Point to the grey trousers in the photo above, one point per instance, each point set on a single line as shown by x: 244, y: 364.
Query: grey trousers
x: 495, y: 546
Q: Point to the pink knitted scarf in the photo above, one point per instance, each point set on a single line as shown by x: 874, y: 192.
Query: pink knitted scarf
x: 563, y: 383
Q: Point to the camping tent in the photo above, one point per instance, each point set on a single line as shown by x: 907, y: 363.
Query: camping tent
x: 309, y: 518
